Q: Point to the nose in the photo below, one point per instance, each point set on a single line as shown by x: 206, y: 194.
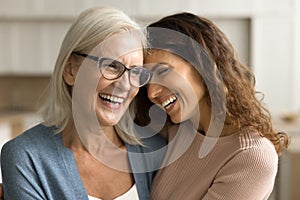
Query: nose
x: 154, y: 90
x: 124, y: 82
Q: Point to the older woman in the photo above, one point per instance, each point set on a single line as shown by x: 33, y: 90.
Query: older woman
x: 80, y: 151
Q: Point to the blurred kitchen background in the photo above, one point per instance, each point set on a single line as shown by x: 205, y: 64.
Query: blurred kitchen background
x: 265, y: 33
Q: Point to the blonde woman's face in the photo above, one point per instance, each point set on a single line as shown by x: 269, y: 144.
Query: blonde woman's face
x: 109, y: 99
x: 175, y: 85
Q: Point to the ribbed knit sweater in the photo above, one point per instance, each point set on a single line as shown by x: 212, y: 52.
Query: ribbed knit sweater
x: 241, y: 166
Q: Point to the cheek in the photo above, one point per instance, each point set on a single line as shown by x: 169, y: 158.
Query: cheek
x: 200, y: 93
x: 103, y: 83
x: 133, y: 93
x: 199, y: 89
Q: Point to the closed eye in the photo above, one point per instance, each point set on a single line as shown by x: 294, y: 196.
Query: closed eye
x: 162, y: 71
x: 111, y: 65
x: 114, y: 65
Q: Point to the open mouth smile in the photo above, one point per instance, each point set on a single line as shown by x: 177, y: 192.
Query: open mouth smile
x: 111, y: 99
x: 167, y: 103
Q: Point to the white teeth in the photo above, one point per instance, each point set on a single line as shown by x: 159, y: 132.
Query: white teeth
x: 111, y: 99
x: 169, y: 101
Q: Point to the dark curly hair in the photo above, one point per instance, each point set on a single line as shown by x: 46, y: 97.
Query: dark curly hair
x: 236, y: 81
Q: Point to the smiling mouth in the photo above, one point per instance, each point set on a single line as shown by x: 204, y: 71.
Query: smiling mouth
x: 167, y: 103
x: 111, y: 99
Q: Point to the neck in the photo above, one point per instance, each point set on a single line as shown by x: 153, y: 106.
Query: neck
x: 205, y: 120
x: 205, y: 116
x: 70, y: 137
x: 72, y: 140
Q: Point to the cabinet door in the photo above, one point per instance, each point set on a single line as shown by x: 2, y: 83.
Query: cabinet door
x: 30, y: 47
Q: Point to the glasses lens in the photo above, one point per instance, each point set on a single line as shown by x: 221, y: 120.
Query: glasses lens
x: 139, y: 76
x: 111, y: 69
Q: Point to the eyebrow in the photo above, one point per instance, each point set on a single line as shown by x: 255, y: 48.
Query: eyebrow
x: 157, y: 65
x: 121, y: 62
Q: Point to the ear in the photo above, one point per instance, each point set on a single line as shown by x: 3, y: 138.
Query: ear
x: 70, y: 71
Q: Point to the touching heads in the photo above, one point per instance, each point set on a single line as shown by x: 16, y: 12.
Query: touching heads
x: 224, y: 87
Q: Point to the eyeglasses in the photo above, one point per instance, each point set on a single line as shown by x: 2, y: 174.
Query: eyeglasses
x: 112, y: 69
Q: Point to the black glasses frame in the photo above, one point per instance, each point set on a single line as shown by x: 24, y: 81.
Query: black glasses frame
x: 99, y: 61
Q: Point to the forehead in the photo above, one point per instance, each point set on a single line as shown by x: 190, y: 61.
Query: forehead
x: 163, y: 56
x: 120, y: 44
x: 156, y: 56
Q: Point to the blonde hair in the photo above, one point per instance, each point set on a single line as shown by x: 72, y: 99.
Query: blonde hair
x: 91, y: 27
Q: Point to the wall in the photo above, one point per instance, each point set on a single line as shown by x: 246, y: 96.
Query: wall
x: 31, y: 31
x: 21, y: 93
x: 295, y: 56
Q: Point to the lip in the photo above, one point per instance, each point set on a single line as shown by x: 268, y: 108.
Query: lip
x: 164, y: 98
x: 110, y: 101
x: 168, y: 102
x: 170, y: 107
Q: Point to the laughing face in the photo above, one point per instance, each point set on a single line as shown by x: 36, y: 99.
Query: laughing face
x: 95, y: 96
x: 175, y: 85
x: 114, y: 96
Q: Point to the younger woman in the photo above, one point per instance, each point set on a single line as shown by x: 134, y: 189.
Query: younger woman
x: 230, y: 149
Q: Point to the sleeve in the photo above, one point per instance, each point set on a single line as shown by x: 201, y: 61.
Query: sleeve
x: 249, y: 175
x: 19, y: 175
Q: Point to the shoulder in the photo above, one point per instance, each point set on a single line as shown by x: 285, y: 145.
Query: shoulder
x: 251, y: 170
x: 36, y: 165
x: 248, y: 141
x: 252, y: 142
x: 245, y: 151
x: 27, y: 150
x: 255, y: 153
x: 33, y: 140
x: 248, y: 169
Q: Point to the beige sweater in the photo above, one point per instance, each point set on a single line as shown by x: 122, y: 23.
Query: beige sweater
x: 239, y: 167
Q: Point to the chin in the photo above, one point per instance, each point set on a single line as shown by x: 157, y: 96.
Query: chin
x: 179, y: 118
x: 176, y: 120
x: 108, y: 120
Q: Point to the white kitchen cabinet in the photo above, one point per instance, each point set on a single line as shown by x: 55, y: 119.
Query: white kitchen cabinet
x: 30, y: 47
